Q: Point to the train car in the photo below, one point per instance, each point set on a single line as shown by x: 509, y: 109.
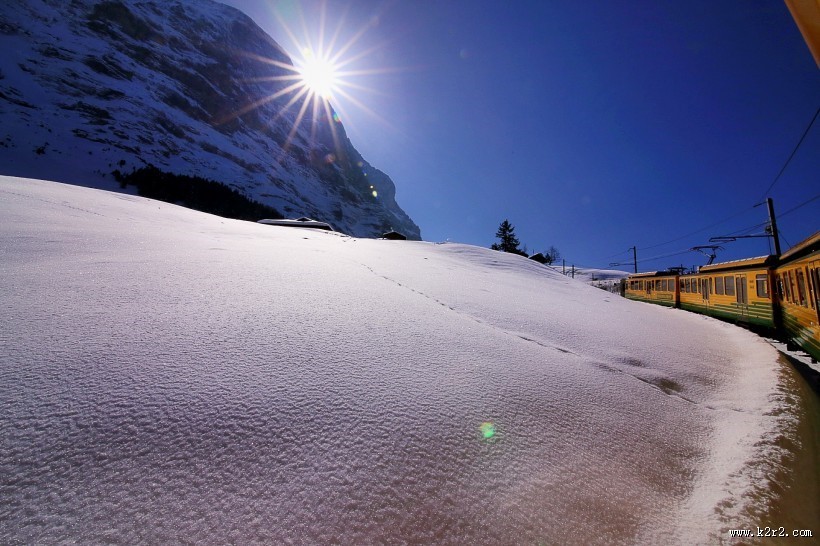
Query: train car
x: 738, y: 291
x: 797, y: 278
x: 659, y: 287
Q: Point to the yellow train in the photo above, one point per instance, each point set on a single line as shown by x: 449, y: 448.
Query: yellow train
x: 797, y: 281
x: 742, y: 291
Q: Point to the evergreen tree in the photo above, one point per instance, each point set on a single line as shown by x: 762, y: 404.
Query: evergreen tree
x: 508, y: 242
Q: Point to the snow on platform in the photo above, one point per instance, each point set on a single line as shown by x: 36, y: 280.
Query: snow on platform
x: 171, y: 376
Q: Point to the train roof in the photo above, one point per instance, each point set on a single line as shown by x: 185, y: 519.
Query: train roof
x: 746, y: 263
x: 652, y: 274
x: 802, y: 248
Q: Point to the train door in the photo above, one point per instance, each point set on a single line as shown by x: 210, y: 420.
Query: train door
x: 814, y: 283
x: 705, y: 290
x: 741, y: 296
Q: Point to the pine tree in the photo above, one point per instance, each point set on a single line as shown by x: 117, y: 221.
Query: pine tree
x: 508, y: 241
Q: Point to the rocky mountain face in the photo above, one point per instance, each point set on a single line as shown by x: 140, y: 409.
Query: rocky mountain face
x: 89, y: 87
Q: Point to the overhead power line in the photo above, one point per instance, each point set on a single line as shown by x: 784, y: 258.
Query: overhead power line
x: 710, y: 226
x: 804, y: 203
x: 744, y: 211
x: 776, y: 178
x: 644, y: 260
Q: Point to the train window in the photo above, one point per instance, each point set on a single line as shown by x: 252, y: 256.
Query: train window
x: 810, y: 289
x: 789, y: 286
x: 729, y: 284
x: 762, y: 283
x: 719, y: 286
x: 801, y: 289
x: 665, y: 285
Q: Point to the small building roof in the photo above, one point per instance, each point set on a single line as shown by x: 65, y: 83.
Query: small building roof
x: 299, y: 222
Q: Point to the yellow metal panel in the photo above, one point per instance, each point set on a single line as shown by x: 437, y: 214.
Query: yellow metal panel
x: 806, y: 14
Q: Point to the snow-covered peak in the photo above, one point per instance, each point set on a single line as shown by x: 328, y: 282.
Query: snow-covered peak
x: 90, y: 87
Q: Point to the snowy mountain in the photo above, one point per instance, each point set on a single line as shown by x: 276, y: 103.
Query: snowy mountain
x: 168, y: 376
x: 89, y: 87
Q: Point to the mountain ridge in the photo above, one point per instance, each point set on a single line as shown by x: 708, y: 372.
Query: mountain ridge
x: 90, y: 87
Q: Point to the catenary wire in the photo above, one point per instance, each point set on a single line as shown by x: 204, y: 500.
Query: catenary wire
x: 804, y: 203
x: 744, y: 211
x: 794, y: 151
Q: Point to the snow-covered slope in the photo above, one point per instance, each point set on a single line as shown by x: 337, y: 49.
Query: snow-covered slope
x: 168, y: 376
x: 88, y: 87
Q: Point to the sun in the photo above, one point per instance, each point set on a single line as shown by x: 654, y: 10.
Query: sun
x: 317, y: 80
x: 318, y: 74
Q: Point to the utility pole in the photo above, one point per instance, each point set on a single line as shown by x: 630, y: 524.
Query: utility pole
x: 771, y: 230
x: 634, y: 250
x: 573, y: 271
x: 773, y: 223
x: 563, y: 267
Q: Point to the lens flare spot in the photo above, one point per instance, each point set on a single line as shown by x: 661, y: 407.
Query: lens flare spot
x: 375, y: 193
x: 336, y: 118
x: 487, y: 429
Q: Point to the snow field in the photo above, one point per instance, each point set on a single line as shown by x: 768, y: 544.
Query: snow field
x: 170, y: 376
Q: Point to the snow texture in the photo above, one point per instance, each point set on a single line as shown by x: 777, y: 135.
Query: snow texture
x: 169, y: 376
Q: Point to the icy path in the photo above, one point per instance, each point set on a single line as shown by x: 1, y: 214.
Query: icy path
x: 169, y: 376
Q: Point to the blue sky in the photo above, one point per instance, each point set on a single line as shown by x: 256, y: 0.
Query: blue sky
x: 592, y: 126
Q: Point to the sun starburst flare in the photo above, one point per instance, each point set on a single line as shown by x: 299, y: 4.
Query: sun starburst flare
x: 318, y: 74
x: 320, y: 80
